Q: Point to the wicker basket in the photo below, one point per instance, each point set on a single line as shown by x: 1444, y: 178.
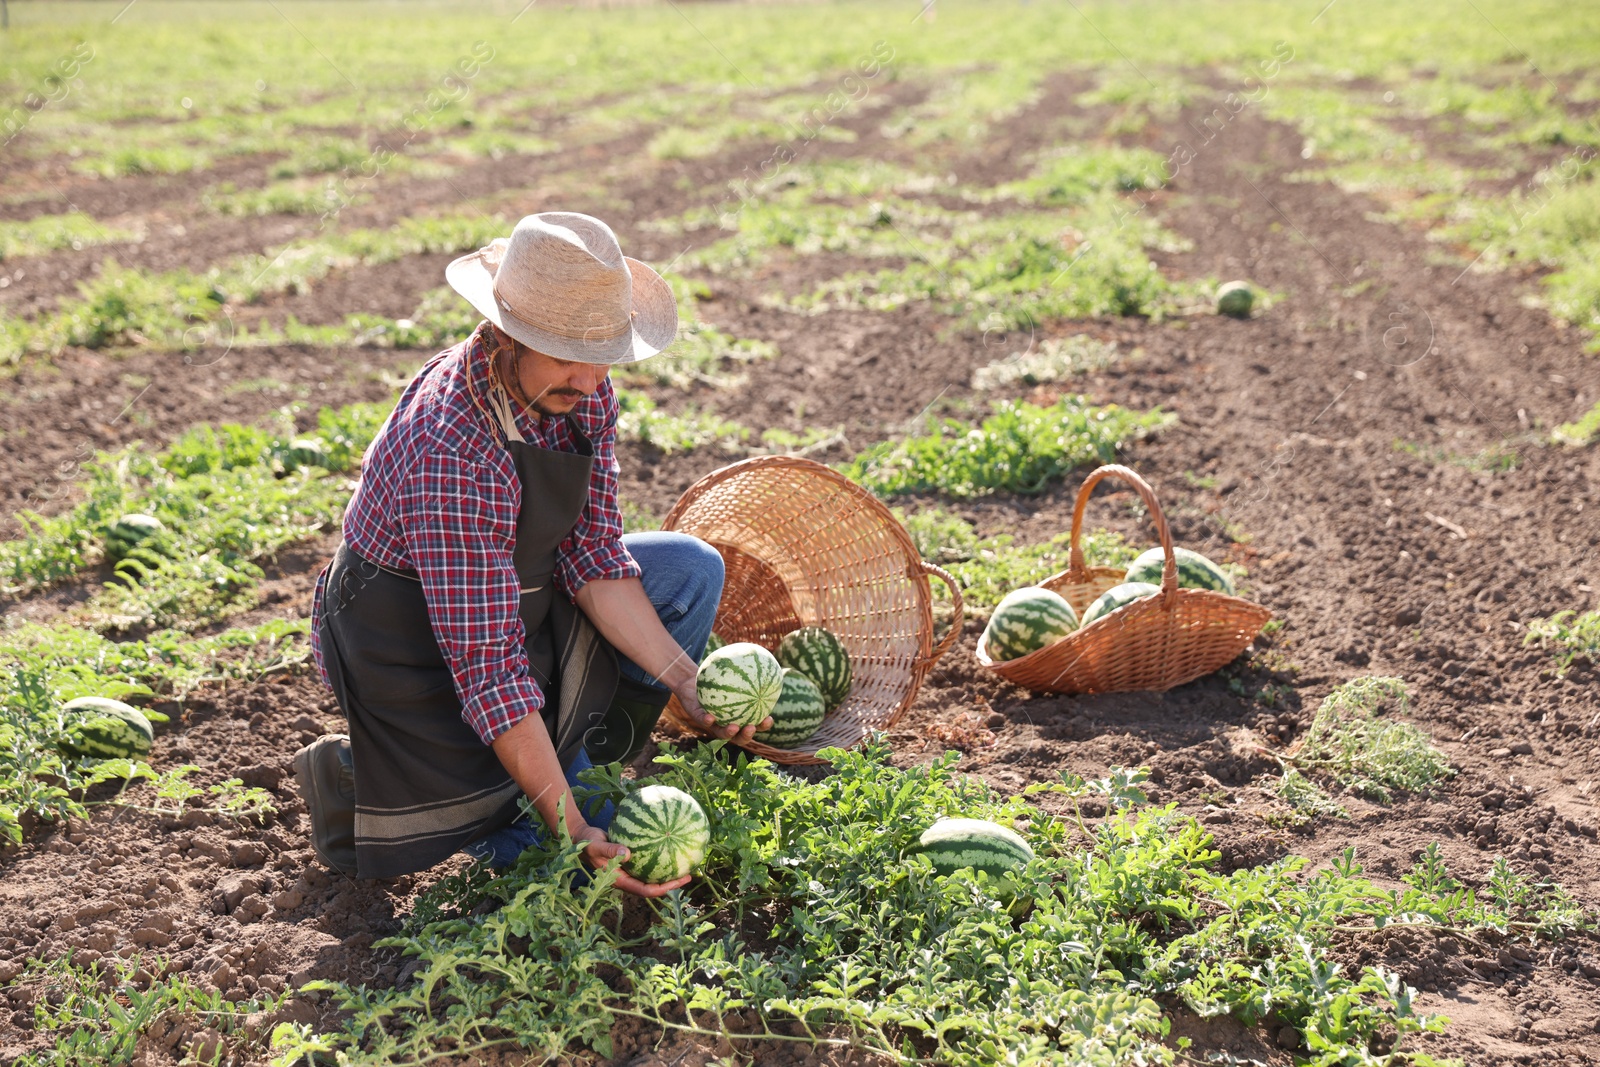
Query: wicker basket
x: 1155, y: 643
x: 805, y: 546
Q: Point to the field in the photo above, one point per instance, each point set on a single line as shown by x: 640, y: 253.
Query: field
x: 964, y: 252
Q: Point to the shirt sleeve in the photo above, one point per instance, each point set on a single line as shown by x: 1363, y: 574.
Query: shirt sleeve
x: 594, y: 548
x: 459, y: 523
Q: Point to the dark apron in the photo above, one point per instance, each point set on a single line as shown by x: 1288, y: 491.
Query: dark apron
x: 426, y: 784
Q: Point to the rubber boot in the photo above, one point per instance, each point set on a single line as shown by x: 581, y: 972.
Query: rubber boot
x: 626, y: 727
x: 328, y: 786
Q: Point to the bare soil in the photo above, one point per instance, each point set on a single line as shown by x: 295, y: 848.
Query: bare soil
x: 1337, y: 464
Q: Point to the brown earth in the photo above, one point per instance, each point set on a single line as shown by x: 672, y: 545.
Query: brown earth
x: 1378, y: 559
x: 54, y: 417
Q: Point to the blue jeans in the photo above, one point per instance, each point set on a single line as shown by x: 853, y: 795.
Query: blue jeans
x: 682, y: 576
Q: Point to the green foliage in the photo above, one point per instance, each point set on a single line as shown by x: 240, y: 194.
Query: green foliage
x: 886, y: 226
x: 701, y: 353
x: 1555, y: 222
x: 863, y: 946
x: 1573, y: 634
x: 1015, y: 271
x: 117, y: 307
x: 175, y: 794
x: 1366, y: 753
x: 963, y: 107
x: 637, y: 517
x: 1495, y: 459
x: 296, y: 196
x: 226, y: 500
x: 43, y: 667
x: 441, y: 319
x: 990, y: 567
x: 1072, y: 175
x: 98, y: 1014
x: 1306, y: 799
x: 1581, y: 431
x: 680, y: 142
x: 1021, y: 449
x: 640, y: 420
x: 1337, y: 127
x: 1055, y: 359
x: 47, y: 233
x: 1089, y: 256
x: 181, y: 309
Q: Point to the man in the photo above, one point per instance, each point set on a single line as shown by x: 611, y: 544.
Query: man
x: 487, y: 628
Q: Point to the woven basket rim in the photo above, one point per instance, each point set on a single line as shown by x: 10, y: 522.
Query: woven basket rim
x: 800, y: 463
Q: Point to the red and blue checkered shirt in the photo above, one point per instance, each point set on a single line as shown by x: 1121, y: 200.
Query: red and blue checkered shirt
x: 439, y: 494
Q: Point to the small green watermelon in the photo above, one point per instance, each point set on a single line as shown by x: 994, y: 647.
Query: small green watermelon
x: 1194, y: 570
x: 820, y: 656
x: 797, y: 714
x: 666, y: 831
x: 100, y: 728
x: 128, y: 532
x: 1235, y: 300
x: 1118, y: 596
x: 738, y: 684
x: 1027, y: 620
x: 1001, y: 852
x: 304, y: 452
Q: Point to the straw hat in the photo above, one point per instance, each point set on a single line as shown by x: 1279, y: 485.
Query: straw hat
x: 561, y: 285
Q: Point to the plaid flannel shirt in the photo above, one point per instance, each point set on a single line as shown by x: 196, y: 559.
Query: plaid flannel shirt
x: 439, y: 494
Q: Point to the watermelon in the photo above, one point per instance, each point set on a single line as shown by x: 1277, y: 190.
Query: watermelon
x: 739, y: 684
x: 99, y: 728
x: 1027, y: 620
x: 713, y: 643
x: 1235, y: 299
x: 951, y: 844
x: 1194, y: 570
x: 304, y: 452
x: 820, y: 656
x: 1116, y: 597
x: 797, y: 714
x: 128, y: 532
x: 666, y: 831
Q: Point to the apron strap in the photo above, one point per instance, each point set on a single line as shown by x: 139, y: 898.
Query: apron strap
x: 502, y: 407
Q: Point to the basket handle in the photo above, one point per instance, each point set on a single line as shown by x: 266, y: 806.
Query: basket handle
x: 959, y: 617
x: 1079, y: 571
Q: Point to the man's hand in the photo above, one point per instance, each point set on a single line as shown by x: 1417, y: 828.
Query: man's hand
x: 624, y: 616
x: 602, y: 853
x: 690, y: 700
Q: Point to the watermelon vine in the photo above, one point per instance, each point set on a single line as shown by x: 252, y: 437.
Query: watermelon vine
x: 814, y: 921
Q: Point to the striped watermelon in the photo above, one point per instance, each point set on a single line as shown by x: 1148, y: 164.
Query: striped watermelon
x: 99, y: 728
x: 124, y: 535
x: 1027, y: 620
x: 738, y: 684
x: 713, y: 643
x: 304, y: 452
x: 951, y: 844
x: 666, y: 831
x: 1116, y: 597
x: 820, y: 656
x: 1194, y: 570
x: 797, y: 714
x: 1235, y: 299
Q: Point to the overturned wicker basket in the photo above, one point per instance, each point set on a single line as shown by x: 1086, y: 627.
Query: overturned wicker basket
x: 805, y: 546
x: 1155, y: 643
